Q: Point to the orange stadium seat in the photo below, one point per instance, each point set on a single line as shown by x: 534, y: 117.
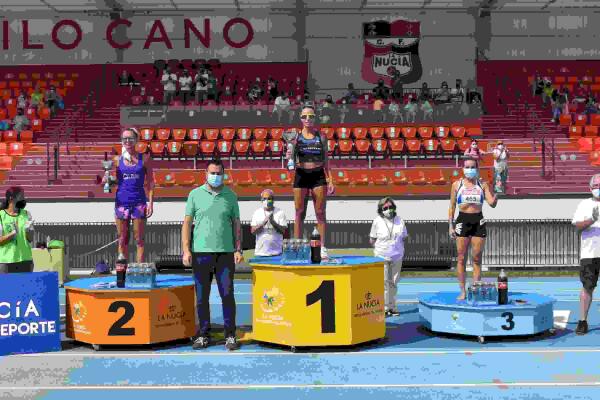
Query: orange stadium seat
x: 69, y: 83
x: 358, y: 177
x: 117, y: 148
x: 276, y: 133
x: 179, y: 134
x: 227, y: 133
x: 3, y: 85
x: 340, y: 177
x: 590, y: 130
x: 157, y: 148
x: 448, y: 145
x: 345, y: 147
x: 3, y: 113
x: 585, y: 144
x: 425, y: 132
x: 259, y: 148
x: 329, y: 133
x: 474, y: 131
x: 436, y: 177
x: 141, y: 147
x: 10, y: 136
x: 399, y: 178
x: 441, y: 132
x: 363, y: 146
x: 575, y: 131
x: 343, y: 133
x: 227, y: 179
x: 282, y: 178
x: 186, y: 178
x: 147, y: 134
x: 463, y: 144
x: 560, y: 79
x: 224, y: 147
x: 378, y: 177
x: 262, y: 177
x: 413, y: 146
x: 241, y: 148
x: 12, y: 112
x: 27, y: 84
x: 3, y: 149
x: 195, y: 134
x: 26, y: 136
x: 163, y: 134
x: 595, y: 119
x: 36, y: 125
x: 31, y: 113
x: 397, y: 146
x: 360, y: 133
x: 565, y: 120
x: 331, y: 147
x: 276, y: 148
x: 244, y: 133
x: 431, y: 145
x: 211, y: 134
x: 417, y: 177
x: 243, y: 177
x: 190, y: 148
x: 14, y: 84
x: 164, y: 177
x: 35, y: 75
x: 6, y: 94
x: 174, y: 148
x: 380, y: 147
x: 376, y: 132
x: 409, y: 132
x: 260, y: 134
x: 207, y: 148
x: 392, y: 132
x: 5, y: 163
x: 16, y: 149
x: 580, y: 119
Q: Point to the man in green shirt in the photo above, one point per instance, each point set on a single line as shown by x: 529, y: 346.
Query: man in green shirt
x: 214, y: 211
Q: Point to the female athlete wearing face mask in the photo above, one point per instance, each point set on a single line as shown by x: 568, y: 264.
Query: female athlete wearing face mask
x: 388, y: 233
x: 16, y: 233
x: 469, y: 228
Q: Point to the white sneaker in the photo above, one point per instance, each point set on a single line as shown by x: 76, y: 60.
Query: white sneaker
x: 324, y: 254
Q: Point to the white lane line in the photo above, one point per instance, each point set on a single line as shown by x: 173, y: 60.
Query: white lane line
x: 289, y: 354
x: 305, y: 386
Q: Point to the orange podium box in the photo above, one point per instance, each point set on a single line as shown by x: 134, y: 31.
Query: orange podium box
x: 124, y: 316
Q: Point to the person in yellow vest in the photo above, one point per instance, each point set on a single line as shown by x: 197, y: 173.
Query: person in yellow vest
x: 16, y: 233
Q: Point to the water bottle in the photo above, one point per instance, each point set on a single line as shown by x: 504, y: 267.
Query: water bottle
x: 284, y: 251
x: 153, y: 274
x: 290, y: 164
x: 470, y: 294
x: 502, y: 288
x: 294, y: 251
x: 306, y: 251
x: 121, y: 268
x: 315, y: 247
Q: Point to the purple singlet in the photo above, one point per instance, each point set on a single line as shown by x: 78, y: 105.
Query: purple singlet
x: 130, y: 192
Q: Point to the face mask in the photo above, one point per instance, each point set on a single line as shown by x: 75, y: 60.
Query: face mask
x: 389, y: 214
x: 474, y: 146
x: 267, y: 203
x: 470, y: 172
x: 215, y: 180
x: 596, y: 193
x: 20, y: 201
x: 500, y: 147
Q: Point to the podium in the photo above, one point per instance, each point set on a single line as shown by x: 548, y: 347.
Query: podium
x: 318, y: 305
x: 124, y: 316
x: 525, y: 314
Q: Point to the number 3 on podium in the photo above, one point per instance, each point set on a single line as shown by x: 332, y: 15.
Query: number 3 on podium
x: 117, y: 328
x: 326, y: 294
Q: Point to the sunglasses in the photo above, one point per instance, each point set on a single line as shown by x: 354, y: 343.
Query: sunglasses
x: 307, y: 116
x: 388, y: 208
x: 128, y: 139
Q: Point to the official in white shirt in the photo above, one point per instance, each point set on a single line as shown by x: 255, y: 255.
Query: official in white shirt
x: 269, y: 224
x: 388, y: 234
x: 586, y: 221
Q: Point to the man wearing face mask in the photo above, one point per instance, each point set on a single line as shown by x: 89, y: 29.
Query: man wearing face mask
x: 16, y: 233
x: 500, y: 154
x: 214, y: 211
x: 269, y: 225
x: 586, y: 220
x: 388, y: 234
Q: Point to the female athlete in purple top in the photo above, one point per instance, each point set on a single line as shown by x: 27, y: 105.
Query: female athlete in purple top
x: 134, y: 179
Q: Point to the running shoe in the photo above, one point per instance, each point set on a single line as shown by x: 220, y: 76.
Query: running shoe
x: 201, y: 342
x: 231, y: 343
x: 582, y: 328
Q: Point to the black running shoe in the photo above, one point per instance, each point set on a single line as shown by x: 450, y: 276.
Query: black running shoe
x: 582, y: 328
x: 201, y: 342
x: 231, y: 343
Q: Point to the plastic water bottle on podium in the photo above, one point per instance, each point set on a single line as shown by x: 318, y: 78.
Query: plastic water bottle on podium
x: 121, y: 268
x: 284, y: 251
x: 502, y: 288
x: 305, y: 251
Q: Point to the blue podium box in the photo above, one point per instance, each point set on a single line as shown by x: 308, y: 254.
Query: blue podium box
x: 29, y: 313
x: 525, y: 314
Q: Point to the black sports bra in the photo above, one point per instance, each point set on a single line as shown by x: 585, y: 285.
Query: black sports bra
x: 310, y: 150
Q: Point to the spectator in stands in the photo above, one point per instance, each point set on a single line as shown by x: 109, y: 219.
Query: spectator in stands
x: 591, y: 107
x: 474, y: 151
x: 52, y: 99
x: 351, y: 94
x: 213, y: 90
x: 269, y: 224
x: 443, y: 95
x: 381, y: 90
x: 312, y: 175
x: 547, y: 92
x: 394, y: 110
x: 425, y: 92
x: 214, y: 212
x: 344, y: 110
x: 272, y: 89
x: 469, y: 194
x: 387, y: 236
x: 327, y: 110
x: 397, y: 86
x: 538, y: 85
x: 22, y: 101
x: 586, y: 220
x: 378, y: 105
x: 501, y: 155
x: 201, y: 80
x: 126, y: 79
x: 169, y: 82
x: 458, y: 93
x: 16, y: 233
x: 185, y: 86
x: 411, y: 109
x: 20, y: 122
x: 255, y: 92
x: 427, y: 109
x: 37, y: 98
x: 134, y: 200
x: 282, y: 105
x: 581, y: 93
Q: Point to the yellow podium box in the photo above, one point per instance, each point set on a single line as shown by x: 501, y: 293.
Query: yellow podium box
x: 115, y: 316
x: 318, y: 305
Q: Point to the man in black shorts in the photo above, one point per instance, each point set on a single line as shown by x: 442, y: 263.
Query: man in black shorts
x: 586, y: 221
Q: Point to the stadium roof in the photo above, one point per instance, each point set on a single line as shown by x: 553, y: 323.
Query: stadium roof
x: 210, y: 5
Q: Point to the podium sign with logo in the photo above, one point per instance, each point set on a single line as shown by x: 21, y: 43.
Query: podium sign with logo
x: 318, y: 305
x: 29, y: 313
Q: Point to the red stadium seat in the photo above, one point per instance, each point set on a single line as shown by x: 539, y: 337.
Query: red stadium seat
x: 244, y: 133
x: 378, y: 177
x: 430, y: 146
x: 345, y: 146
x: 399, y: 178
x: 164, y: 177
x: 328, y: 133
x: 227, y: 133
x: 5, y: 163
x: 147, y: 134
x: 585, y: 144
x: 163, y: 134
x: 190, y: 149
x: 262, y: 177
x: 425, y: 132
x: 595, y: 119
x: 195, y: 134
x: 441, y: 132
x: 590, y: 130
x: 358, y: 177
x: 241, y: 148
x: 174, y: 148
x: 463, y: 144
x: 343, y: 133
x: 211, y: 134
x: 393, y: 132
x: 243, y: 177
x: 417, y: 177
x: 207, y: 148
x: 448, y: 145
x: 3, y: 149
x: 26, y: 136
x: 276, y: 148
x: 363, y: 146
x: 260, y: 134
x: 225, y: 147
x: 10, y: 136
x: 474, y: 131
x: 360, y: 133
x: 575, y: 131
x: 179, y: 134
x: 282, y: 178
x: 36, y: 125
x: 3, y: 113
x: 340, y: 177
x: 276, y: 133
x: 380, y: 147
x: 458, y: 131
x: 31, y: 113
x: 16, y: 149
x: 331, y: 147
x: 413, y: 146
x: 397, y: 146
x: 376, y: 132
x: 157, y: 148
x: 580, y: 119
x: 141, y: 147
x: 409, y: 132
x: 136, y: 100
x: 565, y: 120
x: 186, y: 178
x: 436, y: 177
x: 259, y: 148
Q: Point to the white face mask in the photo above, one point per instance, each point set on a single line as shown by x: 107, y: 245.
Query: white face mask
x: 267, y: 203
x: 596, y: 193
x: 388, y: 213
x: 500, y: 147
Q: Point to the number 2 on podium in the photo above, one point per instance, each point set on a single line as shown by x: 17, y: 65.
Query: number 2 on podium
x: 326, y: 294
x: 117, y: 328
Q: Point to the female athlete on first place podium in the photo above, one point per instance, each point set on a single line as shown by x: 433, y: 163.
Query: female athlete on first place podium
x: 312, y: 174
x: 469, y: 193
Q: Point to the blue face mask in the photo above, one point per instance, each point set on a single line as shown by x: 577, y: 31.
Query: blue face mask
x: 215, y: 180
x: 470, y: 173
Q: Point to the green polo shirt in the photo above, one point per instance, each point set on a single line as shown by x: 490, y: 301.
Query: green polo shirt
x: 213, y: 215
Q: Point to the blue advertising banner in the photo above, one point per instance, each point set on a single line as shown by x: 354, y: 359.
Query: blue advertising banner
x: 29, y: 313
